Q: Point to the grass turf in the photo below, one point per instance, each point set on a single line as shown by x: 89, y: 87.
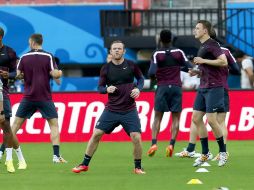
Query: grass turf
x: 112, y: 165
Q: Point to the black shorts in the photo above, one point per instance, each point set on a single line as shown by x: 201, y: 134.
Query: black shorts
x: 109, y: 120
x: 210, y: 100
x: 27, y: 108
x: 7, y: 108
x: 168, y: 98
x: 226, y: 101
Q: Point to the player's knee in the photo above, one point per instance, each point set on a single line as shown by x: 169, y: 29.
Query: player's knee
x: 97, y: 136
x: 6, y: 129
x: 212, y: 122
x: 135, y: 137
x: 175, y: 124
x: 195, y: 120
x: 156, y: 121
x: 54, y: 136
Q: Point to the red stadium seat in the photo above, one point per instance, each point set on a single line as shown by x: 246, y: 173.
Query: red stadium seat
x: 3, y: 2
x: 47, y: 1
x: 73, y: 1
x: 13, y: 2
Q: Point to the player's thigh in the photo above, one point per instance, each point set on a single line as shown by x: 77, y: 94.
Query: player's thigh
x: 215, y: 100
x: 199, y: 103
x: 108, y: 121
x: 131, y: 122
x: 26, y: 109
x: 47, y: 109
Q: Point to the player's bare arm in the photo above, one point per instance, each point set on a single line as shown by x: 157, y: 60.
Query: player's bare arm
x: 221, y: 61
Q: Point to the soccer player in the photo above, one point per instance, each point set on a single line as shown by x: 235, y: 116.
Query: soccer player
x: 117, y: 80
x: 221, y: 116
x: 210, y: 95
x: 8, y: 59
x: 2, y: 116
x: 166, y: 66
x: 36, y: 68
x: 247, y: 74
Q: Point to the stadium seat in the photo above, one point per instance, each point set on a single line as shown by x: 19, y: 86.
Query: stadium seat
x: 3, y: 2
x: 13, y: 2
x: 48, y: 1
x: 74, y: 1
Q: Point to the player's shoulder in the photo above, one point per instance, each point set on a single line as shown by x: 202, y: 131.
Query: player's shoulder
x: 248, y: 61
x: 105, y: 66
x: 213, y: 42
x: 158, y: 50
x: 130, y: 62
x: 175, y: 50
x: 9, y: 49
x: 46, y: 53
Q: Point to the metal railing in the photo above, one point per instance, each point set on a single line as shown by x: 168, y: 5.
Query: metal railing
x: 233, y: 25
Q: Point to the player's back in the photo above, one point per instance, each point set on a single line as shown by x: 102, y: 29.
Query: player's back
x: 169, y: 62
x: 231, y: 64
x: 36, y: 66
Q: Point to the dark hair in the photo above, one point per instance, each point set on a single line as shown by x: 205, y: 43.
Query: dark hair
x: 238, y: 54
x: 206, y: 24
x: 165, y: 36
x: 213, y: 33
x: 117, y: 41
x: 37, y: 38
x: 1, y: 32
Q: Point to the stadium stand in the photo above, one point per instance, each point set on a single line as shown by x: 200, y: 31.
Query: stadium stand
x: 39, y: 2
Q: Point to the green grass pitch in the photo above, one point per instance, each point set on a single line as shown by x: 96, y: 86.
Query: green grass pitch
x: 112, y: 165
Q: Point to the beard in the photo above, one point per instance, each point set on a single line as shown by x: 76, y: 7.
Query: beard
x: 118, y: 57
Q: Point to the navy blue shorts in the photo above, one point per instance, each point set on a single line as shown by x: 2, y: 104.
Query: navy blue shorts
x: 109, y: 120
x: 226, y: 101
x: 168, y: 98
x: 27, y: 108
x: 7, y: 108
x: 210, y: 100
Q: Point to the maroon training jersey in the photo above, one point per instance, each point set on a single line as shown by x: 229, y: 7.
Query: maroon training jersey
x: 211, y: 76
x: 224, y: 70
x: 121, y: 76
x: 8, y: 60
x: 166, y: 64
x: 36, y: 66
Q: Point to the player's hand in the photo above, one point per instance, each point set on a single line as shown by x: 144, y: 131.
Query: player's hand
x: 4, y: 74
x: 111, y: 89
x: 135, y: 93
x: 198, y: 60
x: 193, y: 72
x: 58, y: 74
x: 20, y: 76
x: 2, y: 118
